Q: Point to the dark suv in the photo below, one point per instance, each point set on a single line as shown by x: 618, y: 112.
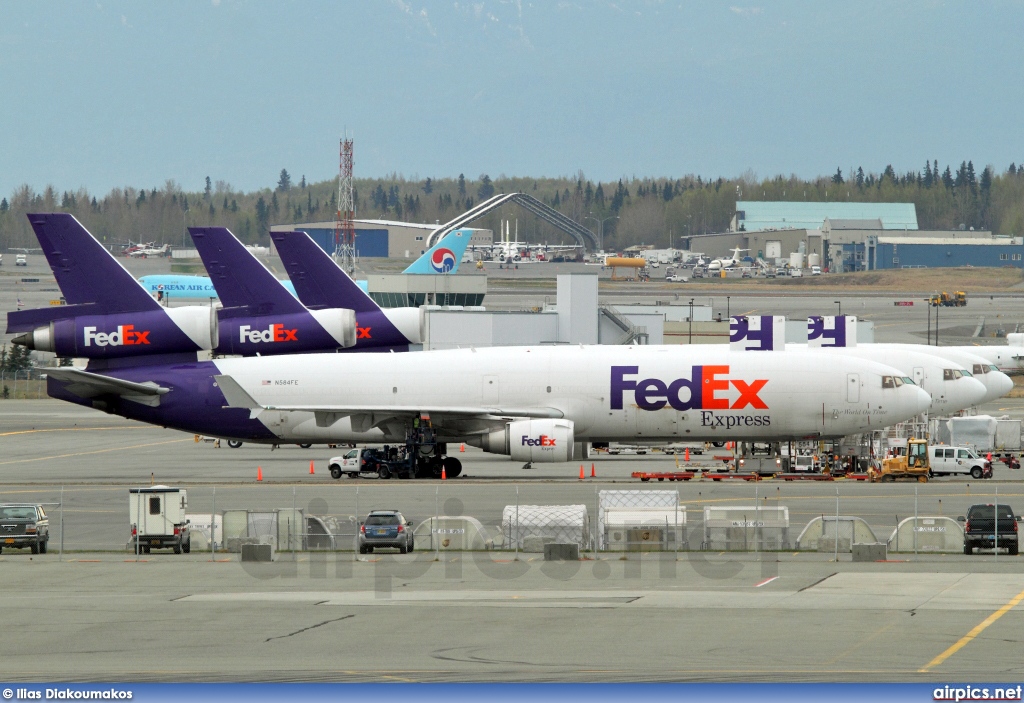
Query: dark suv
x: 24, y: 525
x: 982, y: 529
x: 386, y: 528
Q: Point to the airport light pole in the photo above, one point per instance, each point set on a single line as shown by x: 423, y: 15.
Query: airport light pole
x: 727, y: 313
x: 690, y: 320
x: 840, y: 304
x: 600, y: 228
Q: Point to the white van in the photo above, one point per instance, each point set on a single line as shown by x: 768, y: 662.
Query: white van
x: 796, y: 273
x: 815, y: 270
x: 946, y: 461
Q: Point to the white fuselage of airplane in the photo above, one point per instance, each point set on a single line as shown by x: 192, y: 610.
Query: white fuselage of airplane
x: 951, y: 389
x: 609, y: 393
x: 996, y: 383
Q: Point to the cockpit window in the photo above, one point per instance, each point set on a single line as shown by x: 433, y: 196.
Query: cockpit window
x: 950, y: 374
x: 908, y: 379
x: 992, y: 367
x: 892, y: 381
x: 897, y: 380
x: 965, y: 372
x: 980, y: 369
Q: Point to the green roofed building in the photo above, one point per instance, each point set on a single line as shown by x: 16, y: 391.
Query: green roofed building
x: 757, y: 215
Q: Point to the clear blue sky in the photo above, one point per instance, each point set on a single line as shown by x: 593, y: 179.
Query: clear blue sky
x: 104, y: 94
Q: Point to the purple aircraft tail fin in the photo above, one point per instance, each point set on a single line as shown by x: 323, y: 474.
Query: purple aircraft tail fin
x: 239, y: 277
x: 318, y: 281
x: 85, y: 271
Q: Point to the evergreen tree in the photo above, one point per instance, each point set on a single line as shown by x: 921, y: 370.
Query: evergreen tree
x: 928, y: 178
x: 428, y: 186
x: 208, y: 189
x: 284, y: 183
x: 302, y: 183
x: 486, y: 189
x: 5, y: 206
x: 462, y: 185
x: 837, y: 178
x: 666, y: 193
x: 273, y: 202
x: 860, y: 176
x: 947, y: 178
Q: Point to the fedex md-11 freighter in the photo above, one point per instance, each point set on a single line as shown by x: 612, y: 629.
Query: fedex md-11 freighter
x: 532, y: 403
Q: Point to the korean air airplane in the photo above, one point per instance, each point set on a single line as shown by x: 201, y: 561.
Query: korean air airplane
x: 442, y: 258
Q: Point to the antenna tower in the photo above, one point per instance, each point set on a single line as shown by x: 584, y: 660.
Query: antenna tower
x: 344, y: 228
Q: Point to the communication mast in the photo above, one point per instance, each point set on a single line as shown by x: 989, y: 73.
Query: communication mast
x: 344, y: 228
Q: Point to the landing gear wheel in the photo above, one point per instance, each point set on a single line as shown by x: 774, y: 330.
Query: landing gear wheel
x: 335, y: 472
x: 976, y: 472
x: 234, y: 443
x: 305, y: 446
x: 718, y: 444
x: 452, y: 467
x: 384, y: 473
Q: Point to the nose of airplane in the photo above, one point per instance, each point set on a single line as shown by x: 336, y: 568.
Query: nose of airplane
x: 997, y: 383
x: 964, y: 393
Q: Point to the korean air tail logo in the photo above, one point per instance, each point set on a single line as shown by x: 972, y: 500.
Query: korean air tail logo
x: 124, y: 336
x: 542, y: 441
x: 274, y: 333
x: 442, y: 260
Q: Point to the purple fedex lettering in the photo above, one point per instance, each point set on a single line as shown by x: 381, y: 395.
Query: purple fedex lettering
x: 654, y: 394
x: 759, y: 330
x: 816, y: 330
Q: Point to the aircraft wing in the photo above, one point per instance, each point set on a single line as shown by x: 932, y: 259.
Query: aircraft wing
x: 365, y: 417
x: 90, y: 385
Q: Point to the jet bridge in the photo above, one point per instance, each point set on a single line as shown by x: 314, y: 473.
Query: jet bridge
x: 583, y: 236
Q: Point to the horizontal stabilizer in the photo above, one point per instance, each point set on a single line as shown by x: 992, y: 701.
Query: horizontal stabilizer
x: 91, y: 385
x: 28, y: 320
x: 236, y: 396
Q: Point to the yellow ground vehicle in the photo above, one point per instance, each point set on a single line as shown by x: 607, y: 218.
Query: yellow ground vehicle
x: 913, y: 465
x: 957, y: 299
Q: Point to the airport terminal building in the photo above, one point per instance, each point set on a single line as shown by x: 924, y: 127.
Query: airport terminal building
x: 847, y: 237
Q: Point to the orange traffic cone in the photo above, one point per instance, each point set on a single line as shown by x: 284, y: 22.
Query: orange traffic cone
x: 686, y: 456
x: 593, y: 472
x: 444, y: 474
x: 259, y: 473
x: 581, y: 472
x: 462, y: 447
x: 311, y: 468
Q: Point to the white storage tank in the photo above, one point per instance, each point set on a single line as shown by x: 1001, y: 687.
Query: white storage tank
x: 813, y: 260
x: 796, y: 260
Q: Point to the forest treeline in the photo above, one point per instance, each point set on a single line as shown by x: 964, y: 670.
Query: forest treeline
x: 653, y: 211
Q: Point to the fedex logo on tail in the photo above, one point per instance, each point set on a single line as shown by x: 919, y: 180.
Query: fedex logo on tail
x: 757, y: 333
x: 274, y: 333
x: 831, y: 331
x: 125, y: 336
x: 706, y: 389
x: 542, y: 441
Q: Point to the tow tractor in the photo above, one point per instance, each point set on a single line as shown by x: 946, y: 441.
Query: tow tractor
x: 912, y: 465
x: 422, y: 456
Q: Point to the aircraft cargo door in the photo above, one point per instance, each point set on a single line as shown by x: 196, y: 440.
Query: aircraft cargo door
x: 853, y: 388
x: 918, y: 375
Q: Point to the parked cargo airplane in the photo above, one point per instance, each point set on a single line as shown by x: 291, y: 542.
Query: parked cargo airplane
x: 531, y: 403
x: 443, y: 257
x: 952, y: 376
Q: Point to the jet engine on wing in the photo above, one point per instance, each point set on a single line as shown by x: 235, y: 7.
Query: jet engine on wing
x: 534, y: 441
